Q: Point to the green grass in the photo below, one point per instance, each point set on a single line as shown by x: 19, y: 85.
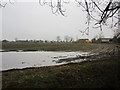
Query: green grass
x: 95, y: 74
x: 31, y: 46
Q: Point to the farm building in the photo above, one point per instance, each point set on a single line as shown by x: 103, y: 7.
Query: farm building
x: 105, y: 40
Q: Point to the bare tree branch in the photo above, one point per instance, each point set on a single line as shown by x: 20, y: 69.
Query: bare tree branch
x: 96, y: 10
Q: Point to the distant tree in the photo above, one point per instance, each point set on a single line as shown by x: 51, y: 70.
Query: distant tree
x: 5, y: 41
x: 67, y: 38
x: 46, y: 41
x: 71, y: 39
x: 58, y: 38
x: 41, y: 41
x: 16, y: 39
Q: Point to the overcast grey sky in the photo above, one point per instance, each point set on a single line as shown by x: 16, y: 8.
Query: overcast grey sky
x: 29, y: 20
x: 0, y: 23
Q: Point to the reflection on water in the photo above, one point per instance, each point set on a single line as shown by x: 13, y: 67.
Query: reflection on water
x: 0, y: 71
x: 18, y: 60
x: 0, y: 61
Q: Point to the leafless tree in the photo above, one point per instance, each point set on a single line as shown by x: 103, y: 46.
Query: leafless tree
x: 117, y: 33
x: 3, y: 3
x: 67, y: 38
x: 58, y: 38
x: 71, y: 39
x: 96, y: 10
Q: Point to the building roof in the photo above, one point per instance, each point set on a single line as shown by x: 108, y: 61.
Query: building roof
x: 106, y: 38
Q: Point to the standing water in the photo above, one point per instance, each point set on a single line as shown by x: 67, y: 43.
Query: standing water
x: 19, y: 60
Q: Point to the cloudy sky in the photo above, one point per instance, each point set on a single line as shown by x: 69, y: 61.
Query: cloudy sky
x: 29, y: 20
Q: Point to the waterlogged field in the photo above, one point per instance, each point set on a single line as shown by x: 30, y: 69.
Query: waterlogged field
x: 102, y: 73
x: 18, y: 55
x: 32, y: 46
x: 30, y: 54
x: 19, y: 60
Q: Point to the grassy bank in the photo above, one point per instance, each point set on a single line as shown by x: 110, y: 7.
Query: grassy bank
x: 32, y: 46
x: 95, y: 74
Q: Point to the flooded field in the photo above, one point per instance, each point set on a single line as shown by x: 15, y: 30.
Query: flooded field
x: 19, y: 60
